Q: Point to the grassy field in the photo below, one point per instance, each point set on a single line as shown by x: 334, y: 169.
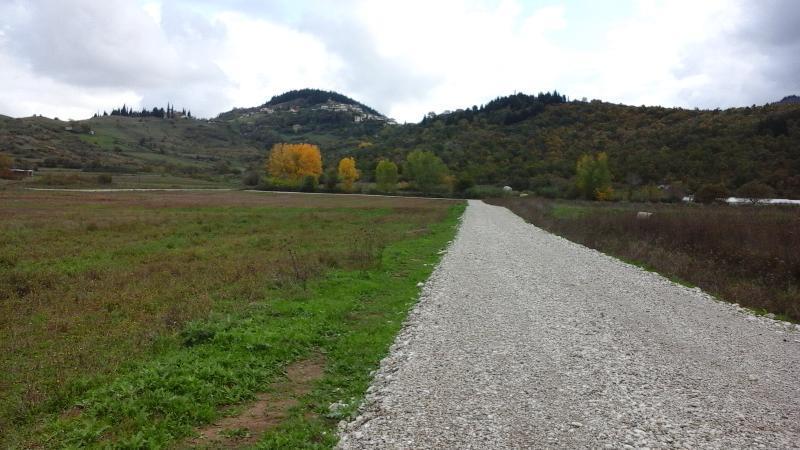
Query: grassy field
x: 744, y: 254
x: 138, y: 319
x: 77, y: 179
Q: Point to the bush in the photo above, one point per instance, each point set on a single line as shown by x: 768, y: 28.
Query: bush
x: 104, y: 179
x: 463, y: 182
x: 709, y: 193
x: 251, y: 178
x: 485, y: 192
x: 549, y: 192
x: 331, y: 179
x: 649, y: 193
x: 310, y: 184
x: 277, y: 184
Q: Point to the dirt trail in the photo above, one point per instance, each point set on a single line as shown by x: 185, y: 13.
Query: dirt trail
x: 523, y: 339
x: 269, y: 409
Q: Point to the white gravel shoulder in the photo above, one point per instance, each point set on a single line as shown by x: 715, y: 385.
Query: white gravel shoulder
x: 522, y: 339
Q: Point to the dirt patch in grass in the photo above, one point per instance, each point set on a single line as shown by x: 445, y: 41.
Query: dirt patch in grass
x: 269, y: 410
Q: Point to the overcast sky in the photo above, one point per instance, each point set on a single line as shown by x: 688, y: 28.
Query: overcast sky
x: 405, y: 58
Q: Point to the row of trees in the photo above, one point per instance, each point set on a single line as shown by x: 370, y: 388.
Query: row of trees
x: 300, y: 165
x: 160, y: 113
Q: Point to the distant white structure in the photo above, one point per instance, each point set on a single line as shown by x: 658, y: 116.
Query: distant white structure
x: 22, y: 172
x: 643, y: 215
x: 507, y: 189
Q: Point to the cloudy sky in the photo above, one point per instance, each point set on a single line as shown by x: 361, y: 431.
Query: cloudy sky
x: 405, y: 58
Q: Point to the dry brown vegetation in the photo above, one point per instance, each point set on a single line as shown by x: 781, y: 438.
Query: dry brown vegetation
x: 746, y: 254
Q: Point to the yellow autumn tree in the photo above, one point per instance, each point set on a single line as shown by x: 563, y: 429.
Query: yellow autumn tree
x: 293, y: 162
x: 348, y: 173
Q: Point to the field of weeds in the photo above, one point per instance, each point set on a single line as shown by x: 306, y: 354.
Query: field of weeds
x: 744, y: 254
x: 142, y: 319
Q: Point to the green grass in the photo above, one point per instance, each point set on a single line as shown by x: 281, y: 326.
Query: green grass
x: 172, y: 309
x: 566, y: 211
x: 76, y: 179
x: 106, y: 142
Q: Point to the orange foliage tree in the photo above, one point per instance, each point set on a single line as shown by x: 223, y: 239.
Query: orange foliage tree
x: 348, y: 172
x: 293, y: 162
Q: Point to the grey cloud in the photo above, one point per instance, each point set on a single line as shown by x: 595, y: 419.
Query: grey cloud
x: 91, y: 43
x: 773, y: 26
x: 766, y: 42
x: 115, y: 45
x: 376, y: 80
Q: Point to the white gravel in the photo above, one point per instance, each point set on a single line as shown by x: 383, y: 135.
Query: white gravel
x: 522, y: 339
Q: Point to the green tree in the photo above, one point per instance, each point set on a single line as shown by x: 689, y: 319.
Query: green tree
x: 463, y: 182
x: 754, y: 191
x: 310, y: 184
x: 425, y: 169
x: 593, y: 177
x: 331, y: 178
x: 709, y: 193
x: 386, y: 176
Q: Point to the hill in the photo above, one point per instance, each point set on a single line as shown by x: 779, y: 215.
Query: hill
x: 790, y: 99
x: 534, y: 143
x: 333, y: 121
x: 127, y: 145
x: 526, y: 141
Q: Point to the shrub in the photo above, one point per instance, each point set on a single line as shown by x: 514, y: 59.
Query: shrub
x: 251, y: 178
x: 6, y: 163
x: 648, y: 193
x: 104, y: 179
x: 485, y: 192
x: 310, y: 184
x: 331, y: 179
x: 463, y: 182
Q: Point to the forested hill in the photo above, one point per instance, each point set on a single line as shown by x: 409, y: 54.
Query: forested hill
x: 533, y: 143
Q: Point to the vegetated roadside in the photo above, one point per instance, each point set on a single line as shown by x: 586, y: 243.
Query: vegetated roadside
x: 133, y: 319
x: 745, y: 254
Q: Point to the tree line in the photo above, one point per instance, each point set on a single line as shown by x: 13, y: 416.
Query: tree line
x: 299, y: 166
x: 160, y: 113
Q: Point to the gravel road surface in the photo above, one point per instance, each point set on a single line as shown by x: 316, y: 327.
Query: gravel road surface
x: 523, y: 339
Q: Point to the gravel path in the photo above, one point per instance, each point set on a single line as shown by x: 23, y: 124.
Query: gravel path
x: 522, y: 339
